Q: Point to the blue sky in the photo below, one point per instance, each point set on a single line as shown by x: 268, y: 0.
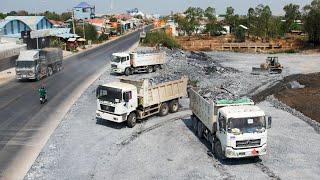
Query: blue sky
x: 149, y: 6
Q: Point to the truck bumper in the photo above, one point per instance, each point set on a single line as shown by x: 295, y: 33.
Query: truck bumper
x: 242, y: 153
x: 20, y: 77
x: 110, y: 117
x: 115, y: 70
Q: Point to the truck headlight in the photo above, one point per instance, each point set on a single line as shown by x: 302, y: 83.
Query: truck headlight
x: 230, y: 152
x: 263, y: 149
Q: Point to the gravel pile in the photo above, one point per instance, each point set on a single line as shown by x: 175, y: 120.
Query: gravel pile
x: 215, y: 94
x: 164, y: 78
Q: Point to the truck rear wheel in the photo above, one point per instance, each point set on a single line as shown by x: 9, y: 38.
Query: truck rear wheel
x: 127, y: 71
x: 200, y: 130
x: 194, y: 123
x: 174, y: 106
x: 132, y: 120
x: 50, y: 72
x: 150, y: 69
x: 164, y: 109
x: 218, y: 151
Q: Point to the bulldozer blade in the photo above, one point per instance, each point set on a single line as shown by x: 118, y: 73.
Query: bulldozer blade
x: 258, y: 71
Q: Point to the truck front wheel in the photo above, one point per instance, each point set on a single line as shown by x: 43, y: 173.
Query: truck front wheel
x: 127, y: 71
x: 174, y: 106
x: 218, y: 151
x: 150, y: 69
x: 164, y: 109
x: 132, y: 120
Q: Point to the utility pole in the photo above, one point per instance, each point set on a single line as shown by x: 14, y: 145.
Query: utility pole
x: 84, y: 32
x: 73, y: 24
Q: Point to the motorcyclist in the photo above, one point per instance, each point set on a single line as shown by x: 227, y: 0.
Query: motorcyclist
x: 43, y: 92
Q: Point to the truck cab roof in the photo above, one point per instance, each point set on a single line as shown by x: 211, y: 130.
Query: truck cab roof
x: 120, y: 85
x: 241, y: 111
x: 28, y: 55
x: 121, y: 54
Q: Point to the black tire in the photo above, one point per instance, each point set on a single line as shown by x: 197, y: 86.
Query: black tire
x: 194, y: 124
x: 218, y: 151
x: 164, y: 109
x: 174, y: 106
x: 38, y: 77
x: 132, y: 120
x: 127, y: 71
x: 150, y: 69
x: 200, y: 130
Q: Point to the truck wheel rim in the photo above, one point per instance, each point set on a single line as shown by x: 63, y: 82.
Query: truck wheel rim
x: 175, y: 107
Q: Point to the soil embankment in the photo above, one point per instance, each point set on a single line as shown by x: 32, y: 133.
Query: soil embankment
x: 304, y: 99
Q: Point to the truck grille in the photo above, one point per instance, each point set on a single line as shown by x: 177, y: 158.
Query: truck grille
x: 113, y: 66
x: 248, y: 143
x: 107, y: 108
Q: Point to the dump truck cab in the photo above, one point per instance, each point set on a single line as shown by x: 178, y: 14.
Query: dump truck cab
x: 115, y: 101
x: 241, y: 131
x: 120, y: 61
x: 27, y: 64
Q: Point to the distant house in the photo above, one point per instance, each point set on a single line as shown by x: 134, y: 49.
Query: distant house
x: 84, y: 11
x: 99, y: 24
x: 12, y: 26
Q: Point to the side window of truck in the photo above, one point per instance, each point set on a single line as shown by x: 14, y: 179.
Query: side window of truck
x: 222, y: 122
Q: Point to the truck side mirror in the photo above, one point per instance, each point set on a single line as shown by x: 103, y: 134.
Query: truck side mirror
x: 97, y: 92
x: 269, y: 122
x: 214, y: 127
x: 127, y: 96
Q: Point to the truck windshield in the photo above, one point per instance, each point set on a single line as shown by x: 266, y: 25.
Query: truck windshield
x: 109, y: 94
x: 25, y: 64
x: 246, y: 125
x: 118, y: 59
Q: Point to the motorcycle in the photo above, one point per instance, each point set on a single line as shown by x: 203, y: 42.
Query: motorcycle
x: 43, y: 100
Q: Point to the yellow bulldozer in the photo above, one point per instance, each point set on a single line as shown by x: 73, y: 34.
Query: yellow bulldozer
x: 271, y: 66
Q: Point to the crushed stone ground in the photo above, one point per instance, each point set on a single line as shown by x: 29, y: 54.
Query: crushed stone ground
x: 165, y: 147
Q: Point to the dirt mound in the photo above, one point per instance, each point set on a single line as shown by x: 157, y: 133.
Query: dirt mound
x: 305, y: 100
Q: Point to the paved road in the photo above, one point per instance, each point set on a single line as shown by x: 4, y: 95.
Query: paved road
x: 22, y: 116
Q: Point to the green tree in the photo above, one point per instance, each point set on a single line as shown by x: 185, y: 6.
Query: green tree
x: 210, y: 13
x: 90, y: 30
x: 65, y: 16
x: 113, y: 19
x: 251, y: 19
x: 311, y: 16
x: 12, y: 13
x: 231, y: 18
x: 240, y: 34
x: 2, y: 16
x: 214, y: 28
x: 292, y: 13
x: 51, y: 15
x: 192, y: 21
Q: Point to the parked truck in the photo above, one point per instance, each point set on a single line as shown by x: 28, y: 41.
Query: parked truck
x: 36, y: 64
x: 236, y: 128
x: 129, y: 63
x: 129, y: 100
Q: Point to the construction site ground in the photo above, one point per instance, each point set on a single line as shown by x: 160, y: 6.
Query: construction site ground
x: 166, y: 148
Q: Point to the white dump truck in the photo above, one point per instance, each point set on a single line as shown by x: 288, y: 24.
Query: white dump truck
x: 36, y: 64
x: 235, y: 128
x: 129, y: 100
x: 129, y: 63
